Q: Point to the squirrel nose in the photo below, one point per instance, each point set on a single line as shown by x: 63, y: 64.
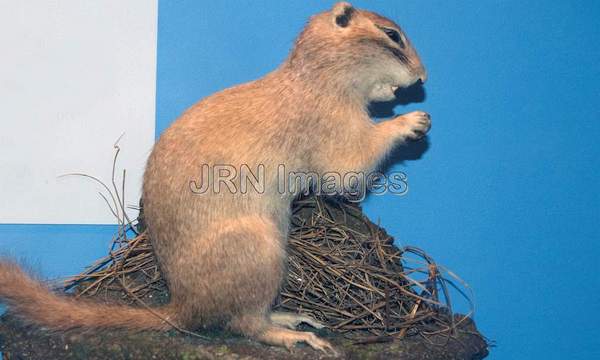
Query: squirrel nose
x: 423, y: 77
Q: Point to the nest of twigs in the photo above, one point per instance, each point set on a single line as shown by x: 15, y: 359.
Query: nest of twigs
x: 343, y: 270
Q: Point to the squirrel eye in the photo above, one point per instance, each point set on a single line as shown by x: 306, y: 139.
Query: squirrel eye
x: 394, y: 36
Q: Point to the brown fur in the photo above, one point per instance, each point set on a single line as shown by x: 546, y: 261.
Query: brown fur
x: 29, y: 298
x: 223, y: 254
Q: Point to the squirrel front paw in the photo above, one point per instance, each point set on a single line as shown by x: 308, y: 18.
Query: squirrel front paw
x: 415, y: 124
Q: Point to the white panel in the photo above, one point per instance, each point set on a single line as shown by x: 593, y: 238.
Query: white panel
x: 74, y: 76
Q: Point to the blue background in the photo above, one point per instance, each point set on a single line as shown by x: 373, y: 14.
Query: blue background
x: 506, y: 194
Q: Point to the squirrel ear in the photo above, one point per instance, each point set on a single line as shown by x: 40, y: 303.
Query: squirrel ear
x: 342, y: 13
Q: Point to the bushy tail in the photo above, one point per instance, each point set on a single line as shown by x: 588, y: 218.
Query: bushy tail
x: 33, y: 302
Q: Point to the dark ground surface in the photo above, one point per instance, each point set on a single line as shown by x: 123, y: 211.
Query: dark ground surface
x: 26, y: 342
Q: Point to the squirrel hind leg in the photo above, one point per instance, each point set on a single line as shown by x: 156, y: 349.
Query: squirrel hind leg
x: 261, y: 328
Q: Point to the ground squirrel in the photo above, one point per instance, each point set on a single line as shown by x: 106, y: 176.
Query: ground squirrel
x: 223, y: 251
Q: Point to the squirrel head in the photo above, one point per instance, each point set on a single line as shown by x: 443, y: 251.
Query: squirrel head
x: 356, y: 52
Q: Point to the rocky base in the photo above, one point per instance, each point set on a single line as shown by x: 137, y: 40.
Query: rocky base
x: 18, y: 341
